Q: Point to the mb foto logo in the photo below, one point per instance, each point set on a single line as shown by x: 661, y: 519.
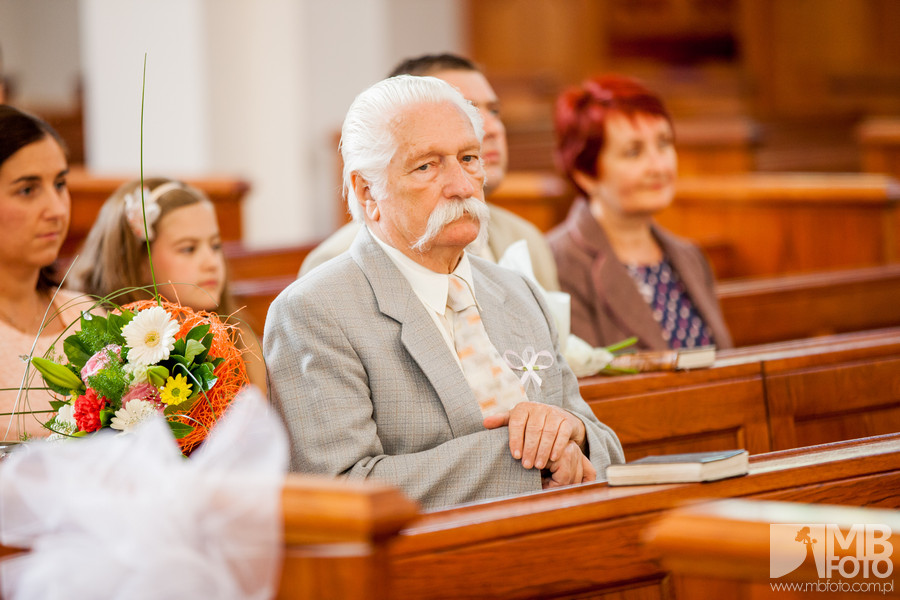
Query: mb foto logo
x: 858, y: 551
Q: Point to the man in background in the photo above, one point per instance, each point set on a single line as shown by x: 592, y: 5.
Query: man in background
x: 504, y: 227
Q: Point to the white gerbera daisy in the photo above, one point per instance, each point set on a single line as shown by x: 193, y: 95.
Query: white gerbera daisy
x: 150, y: 336
x: 133, y: 414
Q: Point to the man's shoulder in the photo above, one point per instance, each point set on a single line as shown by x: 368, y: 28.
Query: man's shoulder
x: 506, y: 220
x: 327, y: 278
x: 334, y: 245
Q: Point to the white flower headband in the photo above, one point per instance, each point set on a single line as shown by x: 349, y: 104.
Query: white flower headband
x: 134, y: 213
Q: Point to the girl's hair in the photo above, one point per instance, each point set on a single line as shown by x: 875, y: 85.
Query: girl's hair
x: 17, y: 130
x: 113, y: 259
x: 582, y: 112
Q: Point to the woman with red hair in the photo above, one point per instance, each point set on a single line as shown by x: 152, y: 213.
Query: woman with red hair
x: 626, y: 275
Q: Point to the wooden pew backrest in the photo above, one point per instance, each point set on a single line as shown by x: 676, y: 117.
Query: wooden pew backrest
x: 89, y: 191
x: 773, y: 309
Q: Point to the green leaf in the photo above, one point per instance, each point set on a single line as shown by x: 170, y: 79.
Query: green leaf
x: 193, y: 349
x: 75, y: 351
x: 204, y: 374
x: 198, y: 333
x: 179, y: 359
x: 157, y: 375
x: 93, y: 323
x: 179, y: 430
x: 106, y: 415
x: 57, y: 404
x: 115, y: 325
x: 207, y: 344
x: 179, y: 347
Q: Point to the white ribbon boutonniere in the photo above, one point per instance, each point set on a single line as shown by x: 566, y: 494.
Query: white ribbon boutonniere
x: 529, y: 363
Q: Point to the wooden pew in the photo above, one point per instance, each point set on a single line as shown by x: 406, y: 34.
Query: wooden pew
x: 89, y: 191
x: 687, y: 411
x: 783, y: 223
x: 353, y: 540
x: 586, y: 541
x: 717, y: 144
x: 755, y: 224
x: 707, y: 145
x: 336, y: 536
x: 722, y: 549
x: 541, y: 197
x: 846, y: 391
x: 879, y: 139
x: 774, y: 309
x: 258, y: 276
x: 761, y: 398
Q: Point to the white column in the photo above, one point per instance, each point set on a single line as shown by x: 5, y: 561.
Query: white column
x: 255, y: 88
x: 115, y: 35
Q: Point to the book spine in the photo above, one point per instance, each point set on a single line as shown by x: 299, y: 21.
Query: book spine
x: 665, y: 360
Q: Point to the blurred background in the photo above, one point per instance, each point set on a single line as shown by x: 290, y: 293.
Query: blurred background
x: 257, y: 89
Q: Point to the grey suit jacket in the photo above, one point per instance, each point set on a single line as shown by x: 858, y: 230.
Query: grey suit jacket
x: 368, y: 387
x: 606, y: 304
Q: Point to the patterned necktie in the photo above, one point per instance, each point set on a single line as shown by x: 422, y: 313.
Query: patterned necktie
x: 495, y: 386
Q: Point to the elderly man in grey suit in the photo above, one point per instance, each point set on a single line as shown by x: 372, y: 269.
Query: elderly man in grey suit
x: 365, y: 355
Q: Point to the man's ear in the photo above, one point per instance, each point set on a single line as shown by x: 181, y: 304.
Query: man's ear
x: 364, y: 196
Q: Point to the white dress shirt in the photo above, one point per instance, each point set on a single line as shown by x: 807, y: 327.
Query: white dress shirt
x: 431, y: 288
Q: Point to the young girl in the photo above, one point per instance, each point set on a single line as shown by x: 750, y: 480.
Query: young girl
x: 34, y: 220
x: 186, y: 252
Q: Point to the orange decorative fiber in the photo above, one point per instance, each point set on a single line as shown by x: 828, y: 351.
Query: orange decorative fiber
x: 231, y: 374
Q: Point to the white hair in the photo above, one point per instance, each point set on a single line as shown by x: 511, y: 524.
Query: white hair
x: 367, y: 138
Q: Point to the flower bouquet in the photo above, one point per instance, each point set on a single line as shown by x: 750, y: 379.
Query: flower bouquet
x: 144, y: 358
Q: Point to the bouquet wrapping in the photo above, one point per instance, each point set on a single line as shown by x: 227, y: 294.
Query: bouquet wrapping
x: 128, y: 517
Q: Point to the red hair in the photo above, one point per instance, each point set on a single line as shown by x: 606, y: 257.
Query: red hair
x: 581, y: 114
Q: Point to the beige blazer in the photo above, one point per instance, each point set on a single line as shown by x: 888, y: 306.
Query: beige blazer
x: 606, y: 304
x: 369, y: 389
x: 504, y: 228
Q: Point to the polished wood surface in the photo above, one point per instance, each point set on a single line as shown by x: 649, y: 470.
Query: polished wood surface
x: 761, y: 398
x: 587, y: 541
x: 728, y: 543
x: 756, y: 224
x: 89, y: 191
x: 781, y: 223
x: 879, y: 139
x: 774, y: 309
x: 335, y: 535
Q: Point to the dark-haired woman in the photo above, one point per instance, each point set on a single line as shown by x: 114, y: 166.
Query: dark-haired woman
x: 626, y: 275
x: 34, y: 220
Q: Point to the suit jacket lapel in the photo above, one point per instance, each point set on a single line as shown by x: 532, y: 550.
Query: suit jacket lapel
x: 418, y: 334
x: 613, y: 285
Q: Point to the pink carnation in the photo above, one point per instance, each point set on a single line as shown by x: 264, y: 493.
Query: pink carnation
x: 87, y: 411
x: 100, y: 360
x: 141, y: 391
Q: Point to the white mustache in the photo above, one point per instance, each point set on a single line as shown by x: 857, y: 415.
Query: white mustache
x: 449, y: 211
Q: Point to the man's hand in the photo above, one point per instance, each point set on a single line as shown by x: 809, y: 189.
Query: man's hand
x: 539, y: 433
x: 572, y: 467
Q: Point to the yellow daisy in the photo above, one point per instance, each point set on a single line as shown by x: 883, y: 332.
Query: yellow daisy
x: 176, y: 390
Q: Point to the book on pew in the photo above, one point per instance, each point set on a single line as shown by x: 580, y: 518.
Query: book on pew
x: 665, y: 360
x: 680, y: 468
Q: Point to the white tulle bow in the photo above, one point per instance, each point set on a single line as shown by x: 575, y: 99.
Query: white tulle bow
x: 126, y: 516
